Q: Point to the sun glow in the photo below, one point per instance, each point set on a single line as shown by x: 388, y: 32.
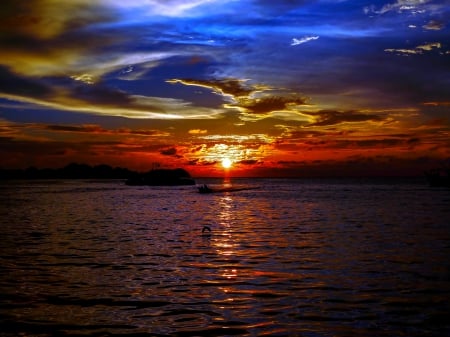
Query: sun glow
x: 226, y: 163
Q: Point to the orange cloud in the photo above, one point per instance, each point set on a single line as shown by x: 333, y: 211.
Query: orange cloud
x: 197, y: 132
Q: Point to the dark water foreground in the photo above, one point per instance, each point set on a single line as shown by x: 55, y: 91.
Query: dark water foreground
x: 292, y: 258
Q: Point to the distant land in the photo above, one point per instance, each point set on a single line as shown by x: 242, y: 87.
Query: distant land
x: 71, y: 171
x: 154, y: 177
x: 164, y: 177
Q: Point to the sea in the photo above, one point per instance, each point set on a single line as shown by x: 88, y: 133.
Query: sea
x: 281, y: 257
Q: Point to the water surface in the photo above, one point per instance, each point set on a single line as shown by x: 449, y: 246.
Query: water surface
x: 291, y: 258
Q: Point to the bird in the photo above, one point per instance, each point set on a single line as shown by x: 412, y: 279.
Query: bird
x: 206, y: 229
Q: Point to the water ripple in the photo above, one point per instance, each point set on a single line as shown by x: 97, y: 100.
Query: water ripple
x: 313, y: 259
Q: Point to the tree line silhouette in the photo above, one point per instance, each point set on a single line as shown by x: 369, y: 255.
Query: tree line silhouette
x: 71, y: 171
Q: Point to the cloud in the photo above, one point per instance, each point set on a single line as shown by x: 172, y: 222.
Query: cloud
x: 75, y: 38
x: 97, y: 99
x: 249, y: 162
x: 239, y: 139
x: 363, y: 165
x: 250, y: 99
x: 412, y: 6
x: 430, y: 46
x: 197, y: 132
x: 42, y: 132
x: 296, y: 42
x: 437, y: 103
x: 45, y: 19
x: 434, y: 25
x: 169, y: 152
x: 42, y: 37
x: 417, y: 50
x: 63, y: 70
x: 403, y: 51
x: 49, y: 145
x: 96, y: 129
x: 12, y: 84
x: 228, y: 86
x: 245, y: 151
x: 333, y: 117
x: 165, y: 8
x: 269, y: 103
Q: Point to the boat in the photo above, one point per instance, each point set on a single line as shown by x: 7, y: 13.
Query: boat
x: 438, y: 177
x: 204, y: 189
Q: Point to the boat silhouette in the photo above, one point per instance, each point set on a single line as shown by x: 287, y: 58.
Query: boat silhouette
x: 204, y: 189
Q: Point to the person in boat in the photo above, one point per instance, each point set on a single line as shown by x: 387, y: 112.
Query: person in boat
x: 204, y: 189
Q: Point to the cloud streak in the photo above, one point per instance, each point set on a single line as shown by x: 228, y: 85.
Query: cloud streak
x: 296, y: 42
x: 96, y: 99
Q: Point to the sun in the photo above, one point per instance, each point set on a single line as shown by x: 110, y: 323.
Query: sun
x: 226, y: 163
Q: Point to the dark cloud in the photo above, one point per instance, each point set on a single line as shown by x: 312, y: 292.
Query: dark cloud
x: 249, y: 162
x: 169, y: 152
x: 413, y: 141
x: 24, y: 153
x: 35, y: 149
x: 99, y: 130
x: 11, y: 147
x: 13, y: 84
x: 44, y: 31
x: 203, y: 162
x: 44, y: 19
x: 233, y: 87
x: 434, y: 25
x: 333, y: 117
x: 192, y: 162
x: 102, y: 95
x: 46, y: 90
x: 355, y: 166
x: 269, y: 103
x: 382, y: 143
x: 70, y: 128
x: 253, y: 98
x: 305, y: 140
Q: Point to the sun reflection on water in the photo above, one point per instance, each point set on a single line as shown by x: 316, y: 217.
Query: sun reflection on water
x: 226, y: 244
x: 226, y: 210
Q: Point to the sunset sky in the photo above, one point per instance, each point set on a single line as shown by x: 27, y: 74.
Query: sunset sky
x: 295, y: 88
